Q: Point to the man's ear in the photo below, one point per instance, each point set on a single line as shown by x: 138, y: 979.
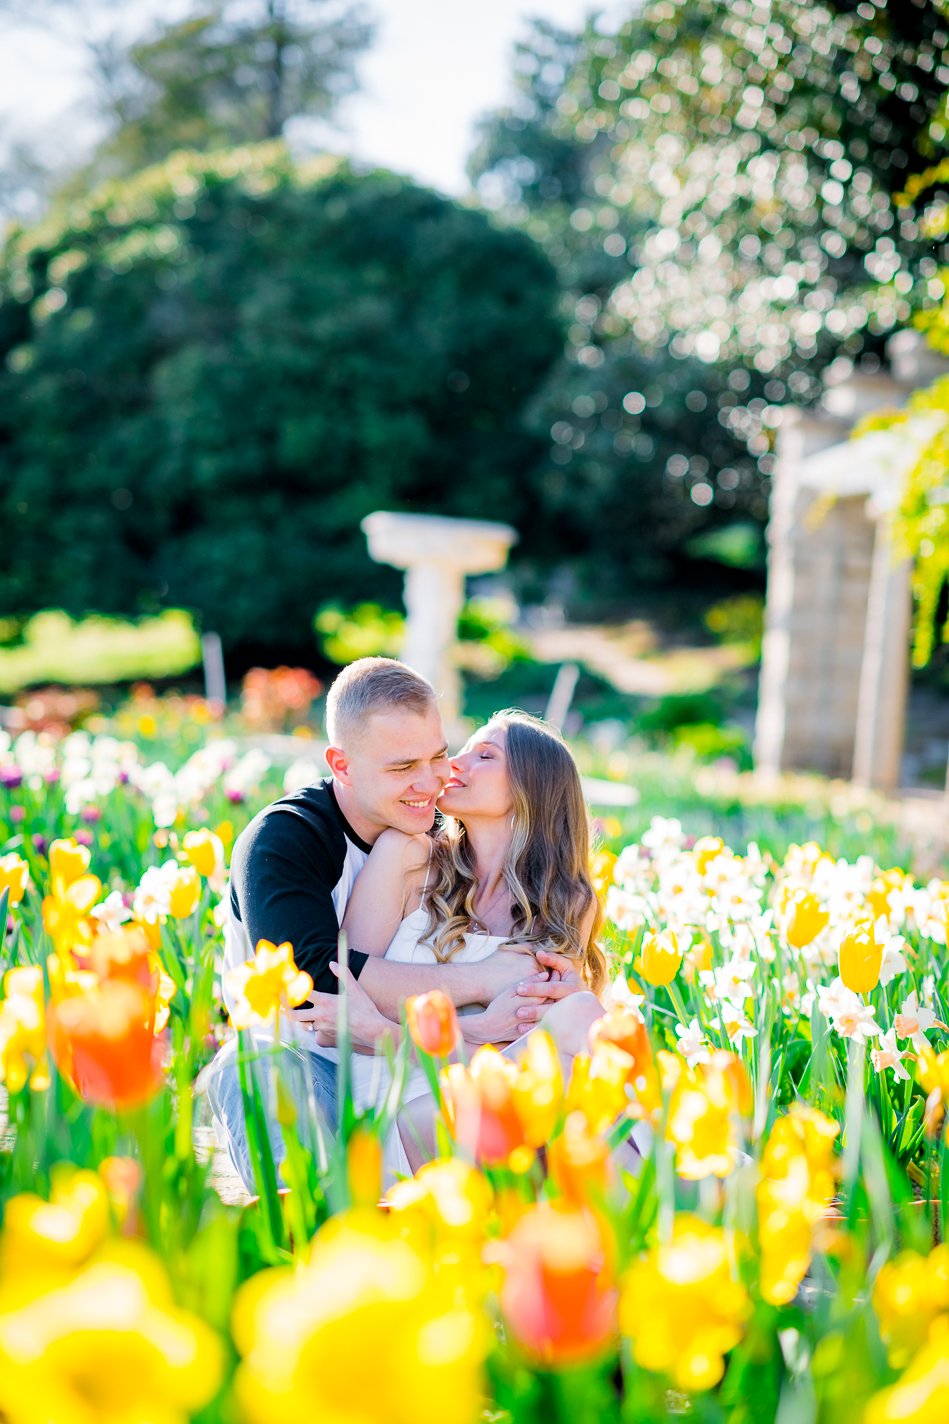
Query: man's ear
x: 338, y: 763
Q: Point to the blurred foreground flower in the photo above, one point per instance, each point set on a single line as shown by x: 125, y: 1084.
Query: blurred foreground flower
x: 267, y: 984
x: 103, y: 1042
x: 14, y: 878
x: 706, y: 1108
x: 559, y: 1295
x: 682, y: 1307
x: 795, y: 1189
x: 921, y: 1396
x: 23, y: 1030
x: 362, y: 1332
x: 432, y: 1022
x: 108, y: 1347
x: 910, y: 1292
x: 43, y: 1243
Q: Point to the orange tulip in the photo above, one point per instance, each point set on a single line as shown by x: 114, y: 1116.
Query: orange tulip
x: 558, y: 1298
x: 432, y: 1022
x: 103, y: 1042
x: 482, y: 1112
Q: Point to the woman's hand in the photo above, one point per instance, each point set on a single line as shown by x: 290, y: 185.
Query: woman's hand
x: 367, y: 1026
x: 499, y: 1022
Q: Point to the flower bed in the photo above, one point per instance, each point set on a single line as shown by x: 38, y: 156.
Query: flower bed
x: 776, y: 1044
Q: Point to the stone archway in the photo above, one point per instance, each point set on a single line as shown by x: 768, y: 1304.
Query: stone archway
x: 835, y: 657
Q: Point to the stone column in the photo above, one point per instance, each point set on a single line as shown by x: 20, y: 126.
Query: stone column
x: 884, y: 671
x: 437, y: 555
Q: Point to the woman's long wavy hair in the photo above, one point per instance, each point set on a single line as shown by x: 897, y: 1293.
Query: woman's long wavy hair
x: 547, y: 869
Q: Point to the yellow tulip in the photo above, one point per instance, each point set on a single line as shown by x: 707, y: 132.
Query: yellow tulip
x: 364, y: 1330
x: 107, y: 1347
x: 266, y: 984
x: 364, y: 1167
x: 14, y: 878
x: 795, y: 1188
x: 68, y: 860
x: 805, y: 919
x: 185, y: 893
x: 860, y: 958
x: 705, y: 1108
x: 682, y: 1307
x: 933, y: 1072
x: 205, y: 851
x: 602, y: 867
x: 538, y: 1088
x: 597, y: 1086
x: 44, y: 1243
x: 660, y: 958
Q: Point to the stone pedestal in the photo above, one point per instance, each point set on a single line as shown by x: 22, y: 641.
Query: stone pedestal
x: 437, y: 555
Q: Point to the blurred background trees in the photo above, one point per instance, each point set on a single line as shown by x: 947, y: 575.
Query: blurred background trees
x: 213, y: 366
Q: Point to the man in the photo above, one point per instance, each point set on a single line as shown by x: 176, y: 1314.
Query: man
x: 293, y: 869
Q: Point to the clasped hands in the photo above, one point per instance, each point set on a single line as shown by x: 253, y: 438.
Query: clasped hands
x: 515, y: 1009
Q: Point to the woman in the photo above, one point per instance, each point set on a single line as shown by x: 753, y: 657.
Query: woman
x: 508, y: 871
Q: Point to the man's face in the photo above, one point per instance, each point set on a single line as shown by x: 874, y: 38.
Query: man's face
x: 396, y: 768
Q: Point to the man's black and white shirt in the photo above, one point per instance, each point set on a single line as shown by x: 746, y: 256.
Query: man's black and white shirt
x: 292, y: 872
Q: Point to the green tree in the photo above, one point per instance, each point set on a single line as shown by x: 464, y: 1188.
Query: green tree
x: 211, y: 372
x: 231, y: 73
x: 714, y: 182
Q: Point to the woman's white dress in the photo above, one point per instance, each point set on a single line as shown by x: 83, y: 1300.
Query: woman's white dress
x: 369, y: 1075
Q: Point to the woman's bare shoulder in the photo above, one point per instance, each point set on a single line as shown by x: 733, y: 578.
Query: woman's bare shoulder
x: 409, y: 852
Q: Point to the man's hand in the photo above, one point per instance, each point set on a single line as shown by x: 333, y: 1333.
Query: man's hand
x: 366, y: 1024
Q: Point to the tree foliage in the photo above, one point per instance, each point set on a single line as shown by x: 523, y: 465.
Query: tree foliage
x: 714, y: 180
x: 211, y: 372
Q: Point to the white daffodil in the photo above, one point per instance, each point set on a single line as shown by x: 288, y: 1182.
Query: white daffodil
x: 914, y: 1022
x: 889, y: 1056
x: 693, y: 1045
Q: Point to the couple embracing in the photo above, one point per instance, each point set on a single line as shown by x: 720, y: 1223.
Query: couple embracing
x: 494, y: 904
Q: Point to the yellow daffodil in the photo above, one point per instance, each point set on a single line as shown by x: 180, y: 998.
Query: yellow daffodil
x: 705, y: 850
x: 107, y: 1347
x: 267, y: 984
x: 363, y: 1331
x: 682, y: 1307
x: 908, y: 1295
x: 860, y: 957
x: 23, y: 1030
x: 66, y: 913
x: 660, y: 958
x: 14, y: 878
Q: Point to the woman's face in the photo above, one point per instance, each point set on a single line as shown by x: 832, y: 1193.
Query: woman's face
x: 479, y: 783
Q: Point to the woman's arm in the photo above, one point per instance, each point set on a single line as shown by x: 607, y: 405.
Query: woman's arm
x: 384, y: 889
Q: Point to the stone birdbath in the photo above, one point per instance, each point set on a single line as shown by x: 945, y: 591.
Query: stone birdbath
x: 437, y: 555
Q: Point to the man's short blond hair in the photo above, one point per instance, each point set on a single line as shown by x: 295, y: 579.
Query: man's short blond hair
x: 371, y: 685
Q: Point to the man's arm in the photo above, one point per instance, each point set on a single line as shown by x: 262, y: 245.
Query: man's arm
x: 388, y: 982
x: 282, y: 875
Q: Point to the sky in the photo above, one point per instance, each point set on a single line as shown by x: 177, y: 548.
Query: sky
x: 435, y: 66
